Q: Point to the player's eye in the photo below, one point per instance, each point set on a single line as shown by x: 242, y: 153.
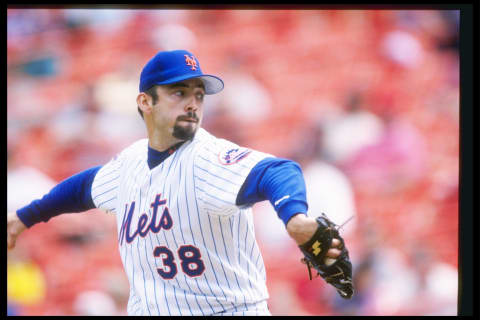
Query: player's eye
x: 179, y: 93
x: 200, y: 96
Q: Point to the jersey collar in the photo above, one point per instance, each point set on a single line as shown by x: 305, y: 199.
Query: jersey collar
x: 156, y: 157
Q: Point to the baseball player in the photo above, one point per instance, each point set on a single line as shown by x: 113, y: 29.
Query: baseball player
x: 182, y: 200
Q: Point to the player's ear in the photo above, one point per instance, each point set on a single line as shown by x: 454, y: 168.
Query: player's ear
x: 144, y: 102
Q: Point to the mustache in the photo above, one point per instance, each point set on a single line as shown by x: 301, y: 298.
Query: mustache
x: 188, y: 117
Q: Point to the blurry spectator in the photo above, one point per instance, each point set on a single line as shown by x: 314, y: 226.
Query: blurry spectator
x: 94, y: 303
x: 328, y: 188
x: 244, y: 104
x: 363, y: 300
x: 441, y: 26
x: 442, y: 289
x: 24, y: 182
x: 244, y: 96
x: 330, y: 191
x: 117, y: 119
x: 106, y: 19
x: 271, y: 233
x: 40, y: 66
x: 224, y: 123
x: 351, y: 130
x: 449, y: 39
x: 437, y: 287
x: 81, y: 140
x: 402, y: 48
x: 26, y: 284
x: 173, y: 37
x: 394, y: 162
x: 395, y: 282
x: 285, y: 302
x: 391, y: 282
x: 24, y: 22
x: 114, y: 91
x: 116, y: 285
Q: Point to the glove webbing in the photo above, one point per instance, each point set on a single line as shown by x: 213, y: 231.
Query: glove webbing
x: 327, y: 278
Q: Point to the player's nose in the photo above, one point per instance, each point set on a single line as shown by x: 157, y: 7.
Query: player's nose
x: 192, y: 105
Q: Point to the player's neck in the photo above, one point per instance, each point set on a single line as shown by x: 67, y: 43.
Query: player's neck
x: 162, y: 145
x: 160, y: 140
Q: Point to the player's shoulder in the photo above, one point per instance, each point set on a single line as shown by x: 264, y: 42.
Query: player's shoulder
x: 212, y: 142
x: 134, y: 150
x: 212, y: 145
x: 138, y: 145
x: 223, y: 151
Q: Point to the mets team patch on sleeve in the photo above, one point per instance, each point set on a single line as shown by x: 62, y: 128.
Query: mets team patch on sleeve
x: 233, y: 155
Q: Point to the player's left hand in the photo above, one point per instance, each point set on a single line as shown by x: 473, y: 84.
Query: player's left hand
x: 301, y: 228
x: 326, y: 252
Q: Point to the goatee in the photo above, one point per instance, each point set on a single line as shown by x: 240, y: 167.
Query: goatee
x: 184, y: 133
x: 188, y: 132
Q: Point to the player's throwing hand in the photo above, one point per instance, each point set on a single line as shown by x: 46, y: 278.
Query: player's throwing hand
x: 14, y: 227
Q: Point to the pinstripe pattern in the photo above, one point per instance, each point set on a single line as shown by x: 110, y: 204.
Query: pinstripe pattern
x: 207, y: 259
x: 250, y: 309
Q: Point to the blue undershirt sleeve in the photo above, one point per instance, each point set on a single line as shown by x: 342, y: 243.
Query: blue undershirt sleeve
x: 281, y: 182
x: 69, y: 196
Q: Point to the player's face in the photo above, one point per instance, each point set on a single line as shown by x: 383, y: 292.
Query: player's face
x: 180, y: 108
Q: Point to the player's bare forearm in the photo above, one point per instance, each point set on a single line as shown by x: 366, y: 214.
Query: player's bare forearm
x: 301, y: 228
x: 14, y: 227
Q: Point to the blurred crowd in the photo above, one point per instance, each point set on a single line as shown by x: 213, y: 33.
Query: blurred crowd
x: 366, y: 101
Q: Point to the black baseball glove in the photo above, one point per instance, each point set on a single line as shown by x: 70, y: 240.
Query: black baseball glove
x: 339, y: 273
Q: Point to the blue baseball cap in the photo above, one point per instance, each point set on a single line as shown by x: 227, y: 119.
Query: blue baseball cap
x: 168, y: 67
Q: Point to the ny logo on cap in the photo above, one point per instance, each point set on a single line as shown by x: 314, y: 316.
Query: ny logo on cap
x: 190, y: 60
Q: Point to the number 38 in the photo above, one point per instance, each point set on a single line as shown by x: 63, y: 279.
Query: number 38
x: 190, y: 261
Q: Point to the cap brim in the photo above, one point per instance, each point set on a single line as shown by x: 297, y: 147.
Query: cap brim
x: 212, y: 84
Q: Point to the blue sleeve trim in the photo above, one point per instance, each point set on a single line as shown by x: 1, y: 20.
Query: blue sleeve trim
x: 292, y: 208
x: 71, y: 195
x: 281, y: 182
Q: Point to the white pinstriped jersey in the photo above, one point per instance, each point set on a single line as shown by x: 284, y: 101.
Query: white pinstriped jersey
x: 187, y: 249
